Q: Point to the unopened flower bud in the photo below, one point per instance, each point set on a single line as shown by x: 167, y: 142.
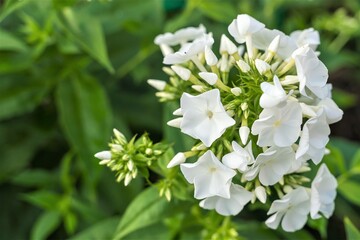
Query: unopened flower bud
x: 262, y: 66
x: 177, y: 112
x: 274, y: 45
x: 198, y: 88
x: 287, y: 189
x: 175, y: 122
x: 244, y: 67
x: 168, y: 71
x: 128, y: 179
x: 103, y: 155
x: 168, y: 194
x: 119, y: 136
x: 130, y: 165
x: 120, y: 177
x: 158, y: 152
x: 260, y: 193
x: 104, y: 162
x: 182, y: 72
x: 236, y: 91
x: 244, y: 106
x: 177, y: 160
x: 148, y: 151
x: 165, y: 95
x: 210, y: 57
x: 227, y: 46
x: 210, y: 78
x: 157, y: 84
x: 244, y: 132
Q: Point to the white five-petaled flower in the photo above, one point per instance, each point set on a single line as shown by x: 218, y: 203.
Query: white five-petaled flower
x: 209, y: 176
x: 279, y: 126
x: 323, y: 193
x: 243, y: 26
x: 307, y: 36
x: 190, y: 50
x: 291, y: 210
x: 312, y: 73
x: 314, y: 137
x: 239, y: 197
x: 204, y: 116
x: 272, y: 94
x: 240, y: 158
x: 271, y: 165
x: 181, y: 36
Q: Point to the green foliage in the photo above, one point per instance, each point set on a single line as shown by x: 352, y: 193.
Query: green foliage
x: 71, y: 70
x: 351, y: 231
x: 146, y: 209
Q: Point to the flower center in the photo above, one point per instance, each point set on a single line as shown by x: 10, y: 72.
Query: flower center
x: 212, y: 169
x: 277, y: 123
x: 210, y: 114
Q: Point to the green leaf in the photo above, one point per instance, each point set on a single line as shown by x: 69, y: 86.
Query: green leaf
x: 85, y: 116
x: 347, y: 188
x: 352, y: 233
x: 103, y: 229
x: 70, y: 222
x: 9, y: 42
x: 44, y: 199
x: 34, y: 178
x: 218, y: 10
x: 88, y: 33
x: 355, y: 162
x: 45, y: 225
x: 11, y: 6
x: 147, y: 208
x: 20, y: 94
x: 344, y: 99
x: 155, y: 231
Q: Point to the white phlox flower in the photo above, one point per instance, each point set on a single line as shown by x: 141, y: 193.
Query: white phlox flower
x: 243, y: 26
x: 272, y: 95
x: 190, y: 50
x: 314, y: 137
x: 306, y: 37
x: 181, y: 36
x: 279, y: 126
x: 332, y: 111
x: 204, y: 116
x: 263, y: 38
x: 271, y: 165
x: 239, y: 197
x: 209, y: 176
x: 240, y: 158
x: 311, y: 71
x: 323, y: 193
x: 291, y: 210
x: 260, y: 103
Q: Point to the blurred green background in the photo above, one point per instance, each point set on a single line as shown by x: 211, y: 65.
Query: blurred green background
x: 71, y: 70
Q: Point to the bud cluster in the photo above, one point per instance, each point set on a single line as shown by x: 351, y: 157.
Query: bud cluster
x: 128, y: 158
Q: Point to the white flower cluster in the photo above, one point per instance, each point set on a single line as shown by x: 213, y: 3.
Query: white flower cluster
x: 260, y: 115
